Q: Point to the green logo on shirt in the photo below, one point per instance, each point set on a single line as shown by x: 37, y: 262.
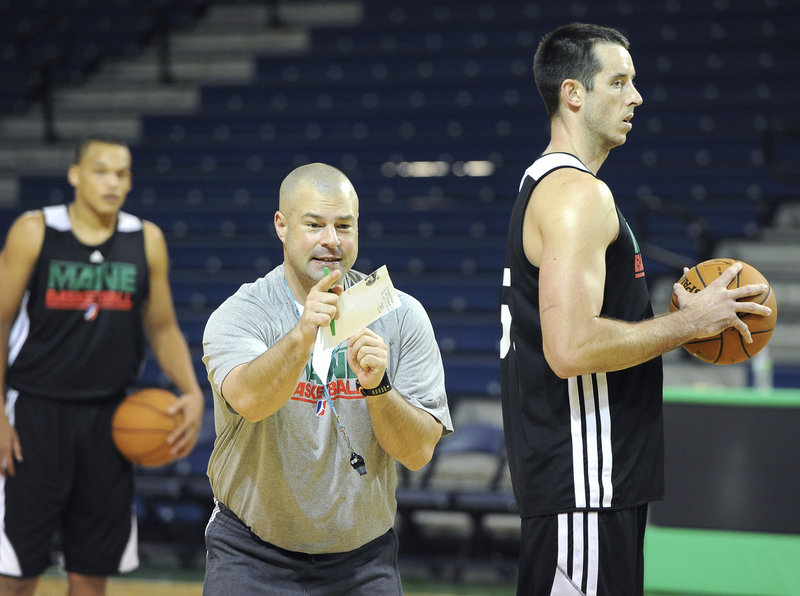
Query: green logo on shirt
x: 90, y: 286
x: 69, y: 275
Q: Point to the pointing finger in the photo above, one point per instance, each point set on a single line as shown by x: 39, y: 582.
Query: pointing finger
x: 327, y: 282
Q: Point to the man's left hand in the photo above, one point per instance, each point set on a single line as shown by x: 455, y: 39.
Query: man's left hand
x: 367, y: 356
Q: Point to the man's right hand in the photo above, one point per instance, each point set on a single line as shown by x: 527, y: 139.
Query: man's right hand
x: 716, y: 308
x: 322, y: 305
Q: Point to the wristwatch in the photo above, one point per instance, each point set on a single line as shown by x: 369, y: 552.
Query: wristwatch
x: 383, y: 387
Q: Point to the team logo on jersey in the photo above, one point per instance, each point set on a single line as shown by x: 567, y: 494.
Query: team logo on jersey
x: 638, y: 263
x: 90, y: 314
x: 90, y: 287
x: 342, y: 383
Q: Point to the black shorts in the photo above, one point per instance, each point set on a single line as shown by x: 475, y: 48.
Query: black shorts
x: 585, y: 552
x: 73, y: 483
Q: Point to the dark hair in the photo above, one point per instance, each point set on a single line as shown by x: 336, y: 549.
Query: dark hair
x: 568, y: 53
x: 83, y: 144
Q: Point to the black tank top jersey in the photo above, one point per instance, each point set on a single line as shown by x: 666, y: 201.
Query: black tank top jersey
x: 584, y: 443
x: 79, y: 334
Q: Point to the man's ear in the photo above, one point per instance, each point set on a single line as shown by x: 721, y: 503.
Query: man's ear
x: 280, y: 226
x: 73, y: 175
x: 572, y: 93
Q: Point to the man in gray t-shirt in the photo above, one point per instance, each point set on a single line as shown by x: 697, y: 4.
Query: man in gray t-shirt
x: 296, y: 512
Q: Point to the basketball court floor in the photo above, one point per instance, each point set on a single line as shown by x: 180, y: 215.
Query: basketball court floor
x: 57, y: 586
x: 162, y: 586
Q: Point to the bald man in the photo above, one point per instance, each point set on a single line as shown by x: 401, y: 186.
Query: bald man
x: 303, y: 468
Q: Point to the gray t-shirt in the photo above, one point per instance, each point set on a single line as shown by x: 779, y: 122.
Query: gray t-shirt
x: 288, y: 476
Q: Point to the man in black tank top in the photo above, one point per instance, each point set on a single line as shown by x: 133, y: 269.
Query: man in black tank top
x: 82, y: 284
x: 581, y: 375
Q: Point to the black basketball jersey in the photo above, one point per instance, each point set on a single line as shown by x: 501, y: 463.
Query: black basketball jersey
x: 79, y: 332
x: 584, y: 443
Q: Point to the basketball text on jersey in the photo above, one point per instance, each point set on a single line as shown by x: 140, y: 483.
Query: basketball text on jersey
x: 90, y: 286
x: 312, y: 391
x: 342, y: 383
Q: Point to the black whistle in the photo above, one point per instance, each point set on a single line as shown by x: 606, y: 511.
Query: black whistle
x: 358, y: 463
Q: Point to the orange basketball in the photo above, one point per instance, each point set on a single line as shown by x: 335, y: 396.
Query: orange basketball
x: 728, y: 347
x: 141, y: 425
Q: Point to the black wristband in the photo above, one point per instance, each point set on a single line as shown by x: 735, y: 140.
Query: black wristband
x: 383, y: 387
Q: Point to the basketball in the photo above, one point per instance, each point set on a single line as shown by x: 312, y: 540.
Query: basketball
x: 141, y: 424
x: 729, y: 347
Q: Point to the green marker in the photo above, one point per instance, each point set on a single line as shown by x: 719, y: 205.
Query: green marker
x: 333, y: 323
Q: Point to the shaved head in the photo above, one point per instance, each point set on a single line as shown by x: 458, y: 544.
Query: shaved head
x: 317, y: 179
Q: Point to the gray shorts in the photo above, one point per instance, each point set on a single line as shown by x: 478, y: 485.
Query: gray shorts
x: 239, y: 562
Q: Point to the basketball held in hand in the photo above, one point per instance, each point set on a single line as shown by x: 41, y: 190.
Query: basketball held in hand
x: 729, y: 346
x: 141, y: 424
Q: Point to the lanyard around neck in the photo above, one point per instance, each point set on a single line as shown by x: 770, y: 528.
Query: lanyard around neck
x: 356, y: 461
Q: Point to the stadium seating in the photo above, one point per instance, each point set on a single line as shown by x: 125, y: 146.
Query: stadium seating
x: 443, y: 510
x: 72, y: 39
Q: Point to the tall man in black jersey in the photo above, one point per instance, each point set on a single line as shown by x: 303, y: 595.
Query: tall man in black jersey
x: 581, y: 376
x: 81, y: 285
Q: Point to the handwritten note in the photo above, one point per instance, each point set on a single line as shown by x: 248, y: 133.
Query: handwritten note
x: 362, y: 304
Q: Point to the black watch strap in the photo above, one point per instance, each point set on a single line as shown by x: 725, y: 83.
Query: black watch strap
x: 383, y: 387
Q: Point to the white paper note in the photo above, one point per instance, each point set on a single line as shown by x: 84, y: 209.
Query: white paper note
x: 360, y: 305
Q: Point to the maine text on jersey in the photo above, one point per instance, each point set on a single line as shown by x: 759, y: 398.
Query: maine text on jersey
x: 75, y: 286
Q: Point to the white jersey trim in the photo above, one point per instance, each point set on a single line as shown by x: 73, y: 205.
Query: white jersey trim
x: 583, y: 528
x: 128, y: 223
x: 590, y: 427
x: 576, y: 429
x: 578, y: 548
x: 130, y: 556
x: 57, y: 217
x: 605, y: 439
x: 548, y: 163
x: 9, y: 563
x: 20, y: 330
